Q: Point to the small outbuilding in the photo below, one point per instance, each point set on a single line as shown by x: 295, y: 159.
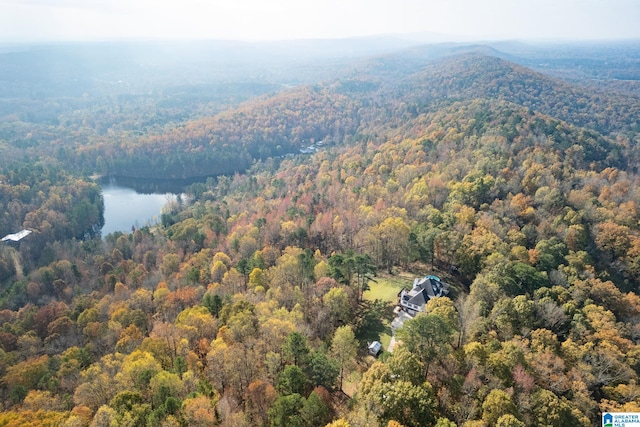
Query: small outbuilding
x: 374, y: 348
x: 16, y: 237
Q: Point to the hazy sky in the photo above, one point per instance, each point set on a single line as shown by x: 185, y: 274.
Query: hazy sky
x: 37, y: 20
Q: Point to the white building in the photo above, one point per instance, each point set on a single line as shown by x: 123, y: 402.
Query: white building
x: 374, y: 348
x: 17, y: 236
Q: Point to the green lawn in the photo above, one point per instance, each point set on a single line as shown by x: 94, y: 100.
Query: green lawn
x: 385, y: 338
x: 386, y: 288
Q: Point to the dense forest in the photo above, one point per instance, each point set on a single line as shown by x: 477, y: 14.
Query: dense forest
x: 253, y: 301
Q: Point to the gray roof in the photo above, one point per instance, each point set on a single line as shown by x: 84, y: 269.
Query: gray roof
x: 425, y: 289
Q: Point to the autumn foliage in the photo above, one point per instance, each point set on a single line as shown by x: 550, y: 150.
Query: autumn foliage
x: 248, y: 304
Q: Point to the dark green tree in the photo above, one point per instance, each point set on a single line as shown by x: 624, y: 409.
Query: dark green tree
x: 315, y: 411
x: 213, y: 303
x: 295, y: 348
x: 322, y: 370
x: 285, y: 411
x: 292, y: 380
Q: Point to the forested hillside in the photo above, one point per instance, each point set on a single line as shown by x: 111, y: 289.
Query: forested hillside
x: 352, y: 107
x: 253, y: 302
x: 472, y: 76
x: 229, y: 142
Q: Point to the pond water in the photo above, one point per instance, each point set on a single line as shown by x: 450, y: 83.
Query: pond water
x: 125, y: 207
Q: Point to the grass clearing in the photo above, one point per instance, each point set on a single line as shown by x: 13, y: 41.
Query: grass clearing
x: 385, y: 338
x: 386, y: 288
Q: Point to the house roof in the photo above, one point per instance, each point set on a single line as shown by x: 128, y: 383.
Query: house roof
x: 417, y: 296
x: 17, y: 236
x: 425, y: 289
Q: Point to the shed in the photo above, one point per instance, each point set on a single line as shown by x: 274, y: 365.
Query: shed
x: 374, y: 348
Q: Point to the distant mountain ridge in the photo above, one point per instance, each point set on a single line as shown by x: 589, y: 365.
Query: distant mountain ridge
x: 480, y: 76
x: 373, y: 102
x: 287, y: 96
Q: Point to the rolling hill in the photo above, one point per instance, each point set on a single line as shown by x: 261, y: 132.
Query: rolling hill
x: 375, y: 105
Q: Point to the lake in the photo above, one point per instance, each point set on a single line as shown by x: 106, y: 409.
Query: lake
x: 125, y: 207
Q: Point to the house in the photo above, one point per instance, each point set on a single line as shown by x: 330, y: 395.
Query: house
x: 16, y: 237
x: 374, y: 348
x: 414, y: 300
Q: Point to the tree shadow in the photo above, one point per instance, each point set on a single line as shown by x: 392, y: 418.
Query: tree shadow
x: 372, y: 319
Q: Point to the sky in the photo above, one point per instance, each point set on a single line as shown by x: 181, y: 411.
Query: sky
x: 257, y: 20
